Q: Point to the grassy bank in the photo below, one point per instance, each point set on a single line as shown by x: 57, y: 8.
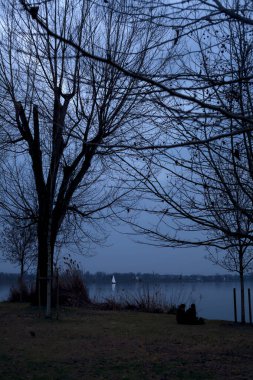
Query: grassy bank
x: 93, y: 344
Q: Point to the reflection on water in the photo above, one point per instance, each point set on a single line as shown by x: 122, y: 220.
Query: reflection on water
x: 214, y: 300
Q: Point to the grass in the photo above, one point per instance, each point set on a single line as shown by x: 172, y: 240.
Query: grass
x: 119, y: 345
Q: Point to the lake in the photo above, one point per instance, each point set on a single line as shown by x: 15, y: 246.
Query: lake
x: 214, y: 300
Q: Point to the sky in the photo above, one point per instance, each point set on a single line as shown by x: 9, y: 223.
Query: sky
x: 122, y: 254
x: 125, y: 255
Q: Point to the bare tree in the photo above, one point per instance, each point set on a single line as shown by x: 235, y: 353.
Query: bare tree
x: 18, y: 217
x: 18, y: 245
x: 205, y: 112
x: 235, y: 254
x: 235, y: 10
x: 58, y: 110
x: 203, y: 195
x: 181, y: 20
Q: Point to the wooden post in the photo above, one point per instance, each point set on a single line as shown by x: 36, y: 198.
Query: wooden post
x: 250, y: 312
x: 235, y: 307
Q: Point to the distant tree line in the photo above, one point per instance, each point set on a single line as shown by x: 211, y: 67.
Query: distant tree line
x: 105, y: 278
x: 12, y: 278
x: 145, y: 278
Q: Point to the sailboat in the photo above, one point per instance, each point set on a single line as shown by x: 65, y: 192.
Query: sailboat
x: 113, y: 280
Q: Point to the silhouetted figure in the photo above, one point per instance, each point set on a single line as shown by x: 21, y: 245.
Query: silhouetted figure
x: 191, y: 315
x: 188, y: 317
x: 180, y: 314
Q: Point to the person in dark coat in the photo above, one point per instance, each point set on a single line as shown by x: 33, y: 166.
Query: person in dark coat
x: 188, y: 317
x: 191, y: 315
x: 180, y: 313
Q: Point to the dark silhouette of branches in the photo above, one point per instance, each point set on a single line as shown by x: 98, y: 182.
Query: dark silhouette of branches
x: 62, y: 114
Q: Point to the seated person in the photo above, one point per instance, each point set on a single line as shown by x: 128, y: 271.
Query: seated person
x: 191, y: 315
x: 180, y: 313
x: 188, y: 317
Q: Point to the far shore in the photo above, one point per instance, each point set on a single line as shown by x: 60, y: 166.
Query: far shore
x: 102, y: 277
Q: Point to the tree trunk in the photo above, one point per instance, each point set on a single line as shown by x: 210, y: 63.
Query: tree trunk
x: 242, y: 292
x: 41, y: 281
x: 46, y: 243
x: 21, y: 279
x: 50, y: 260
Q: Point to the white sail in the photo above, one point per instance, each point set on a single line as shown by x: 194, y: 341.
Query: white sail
x: 113, y: 280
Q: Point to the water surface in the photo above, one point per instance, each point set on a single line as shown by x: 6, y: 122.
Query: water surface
x: 214, y: 300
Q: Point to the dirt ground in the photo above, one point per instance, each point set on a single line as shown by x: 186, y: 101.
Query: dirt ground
x: 94, y: 344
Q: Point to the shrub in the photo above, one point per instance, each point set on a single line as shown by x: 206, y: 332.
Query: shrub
x: 72, y: 289
x: 20, y: 293
x: 111, y: 304
x: 151, y: 300
x: 148, y: 300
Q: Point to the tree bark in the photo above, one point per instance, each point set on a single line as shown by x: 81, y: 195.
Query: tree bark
x: 242, y: 292
x: 41, y: 281
x: 21, y: 279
